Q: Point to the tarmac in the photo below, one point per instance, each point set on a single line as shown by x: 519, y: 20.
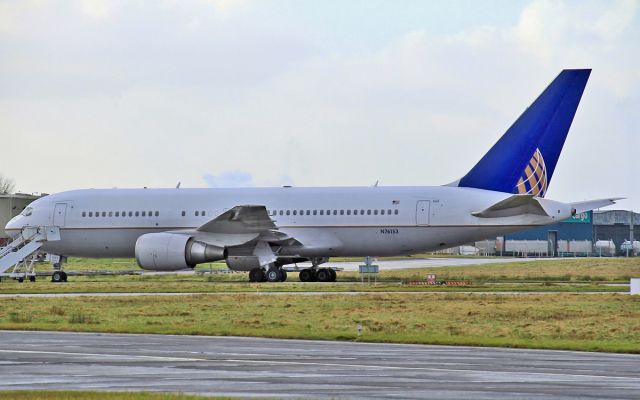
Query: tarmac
x: 277, y: 368
x: 387, y: 265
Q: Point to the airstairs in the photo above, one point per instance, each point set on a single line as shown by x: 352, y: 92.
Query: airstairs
x: 21, y: 254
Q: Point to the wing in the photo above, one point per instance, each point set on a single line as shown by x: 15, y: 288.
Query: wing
x: 240, y: 219
x: 246, y: 226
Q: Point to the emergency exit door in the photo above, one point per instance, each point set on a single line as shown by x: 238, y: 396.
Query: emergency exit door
x: 423, y: 211
x: 59, y: 214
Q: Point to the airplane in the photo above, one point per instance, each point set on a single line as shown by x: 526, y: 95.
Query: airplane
x: 260, y: 230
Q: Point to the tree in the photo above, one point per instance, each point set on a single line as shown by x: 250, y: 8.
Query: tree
x: 7, y: 185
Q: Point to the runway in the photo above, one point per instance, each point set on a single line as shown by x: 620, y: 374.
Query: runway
x: 246, y: 367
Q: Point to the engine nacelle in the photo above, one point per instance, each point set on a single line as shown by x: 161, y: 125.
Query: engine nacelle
x: 173, y: 252
x: 242, y: 263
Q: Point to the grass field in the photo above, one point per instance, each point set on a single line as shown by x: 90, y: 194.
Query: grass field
x: 599, y: 322
x: 568, y: 269
x: 83, y: 395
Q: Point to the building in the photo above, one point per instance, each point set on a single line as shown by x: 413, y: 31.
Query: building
x: 615, y: 225
x: 10, y: 206
x: 574, y: 236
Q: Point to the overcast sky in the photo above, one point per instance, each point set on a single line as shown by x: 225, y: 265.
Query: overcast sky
x: 316, y: 93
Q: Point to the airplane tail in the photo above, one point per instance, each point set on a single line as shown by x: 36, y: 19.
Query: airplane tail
x: 524, y: 158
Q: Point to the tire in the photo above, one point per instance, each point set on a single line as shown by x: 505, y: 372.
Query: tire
x: 334, y: 275
x: 21, y: 279
x: 283, y: 276
x: 324, y: 275
x: 64, y: 275
x: 57, y: 277
x: 305, y: 275
x: 256, y: 275
x: 32, y: 278
x: 274, y: 275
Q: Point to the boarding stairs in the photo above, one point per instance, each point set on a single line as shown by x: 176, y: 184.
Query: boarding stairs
x: 21, y: 254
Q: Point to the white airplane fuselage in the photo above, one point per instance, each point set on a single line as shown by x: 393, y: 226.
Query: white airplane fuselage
x: 338, y: 221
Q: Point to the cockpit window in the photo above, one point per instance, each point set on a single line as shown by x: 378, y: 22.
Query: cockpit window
x: 26, y: 212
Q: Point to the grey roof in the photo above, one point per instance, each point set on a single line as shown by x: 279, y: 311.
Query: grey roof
x: 615, y: 217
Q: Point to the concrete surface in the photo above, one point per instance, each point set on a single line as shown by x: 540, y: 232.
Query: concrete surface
x: 313, y: 369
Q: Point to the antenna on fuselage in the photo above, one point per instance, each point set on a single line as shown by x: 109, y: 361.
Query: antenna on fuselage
x: 178, y: 185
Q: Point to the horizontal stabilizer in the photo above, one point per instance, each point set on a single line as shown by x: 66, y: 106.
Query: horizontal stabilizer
x: 584, y: 206
x: 518, y: 204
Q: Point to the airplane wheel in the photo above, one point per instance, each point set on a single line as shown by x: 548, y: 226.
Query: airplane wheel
x: 274, y: 275
x: 256, y: 275
x: 21, y: 279
x: 64, y: 275
x: 283, y: 276
x: 324, y: 275
x: 57, y: 277
x: 333, y: 274
x: 306, y: 275
x: 32, y: 278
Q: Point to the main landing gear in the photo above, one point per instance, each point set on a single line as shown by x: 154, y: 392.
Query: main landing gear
x: 318, y: 275
x: 273, y: 274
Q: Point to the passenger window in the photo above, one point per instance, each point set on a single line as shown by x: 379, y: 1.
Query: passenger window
x: 389, y: 212
x: 396, y: 212
x: 288, y: 212
x: 131, y: 213
x: 381, y: 212
x: 355, y: 212
x: 137, y: 213
x: 315, y: 212
x: 321, y: 212
x: 375, y: 212
x: 84, y: 214
x: 295, y: 212
x: 348, y: 212
x: 184, y: 213
x: 308, y: 212
x: 197, y: 213
x: 361, y: 212
x: 90, y: 214
x: 368, y: 212
x: 281, y: 212
x: 157, y: 213
x: 111, y: 213
x: 97, y: 213
x: 104, y: 213
x: 144, y: 213
x: 335, y: 212
x: 117, y: 213
x: 203, y: 213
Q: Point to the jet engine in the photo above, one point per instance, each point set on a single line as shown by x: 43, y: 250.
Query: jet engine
x: 172, y: 252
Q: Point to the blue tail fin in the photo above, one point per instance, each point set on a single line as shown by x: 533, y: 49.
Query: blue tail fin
x: 524, y: 158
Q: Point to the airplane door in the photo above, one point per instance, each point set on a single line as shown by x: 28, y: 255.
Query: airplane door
x: 423, y: 210
x: 59, y: 214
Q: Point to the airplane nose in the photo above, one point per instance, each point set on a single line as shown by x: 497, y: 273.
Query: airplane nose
x: 12, y: 229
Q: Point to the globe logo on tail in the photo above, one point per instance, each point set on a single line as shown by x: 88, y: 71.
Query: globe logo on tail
x: 534, y: 178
